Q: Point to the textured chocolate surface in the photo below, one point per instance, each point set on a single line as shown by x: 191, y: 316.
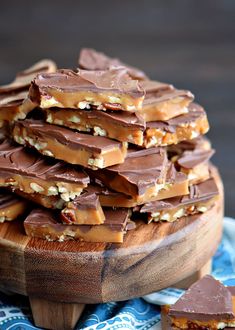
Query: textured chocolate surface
x: 16, y: 159
x: 115, y: 80
x: 215, y: 302
x: 90, y: 59
x: 195, y: 112
x: 157, y: 92
x: 8, y: 199
x: 142, y: 169
x: 123, y: 118
x: 197, y: 193
x: 68, y: 137
x: 115, y: 219
x: 23, y: 79
x: 87, y: 200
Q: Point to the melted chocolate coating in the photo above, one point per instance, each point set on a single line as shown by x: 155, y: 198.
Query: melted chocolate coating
x: 68, y: 137
x: 143, y: 168
x: 197, y: 193
x: 215, y: 302
x: 90, y: 59
x: 87, y: 200
x: 16, y: 159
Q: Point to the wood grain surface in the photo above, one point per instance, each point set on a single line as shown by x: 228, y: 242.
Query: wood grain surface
x: 152, y: 257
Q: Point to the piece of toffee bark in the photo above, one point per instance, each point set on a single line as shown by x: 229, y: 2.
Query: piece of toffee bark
x: 90, y: 59
x: 129, y: 127
x: 84, y: 209
x: 73, y: 147
x: 192, y: 158
x: 142, y: 176
x: 207, y: 304
x: 11, y: 206
x: 201, y: 198
x: 112, y: 89
x: 119, y: 125
x: 162, y: 101
x: 14, y: 101
x: 181, y: 128
x: 45, y: 224
x: 29, y: 172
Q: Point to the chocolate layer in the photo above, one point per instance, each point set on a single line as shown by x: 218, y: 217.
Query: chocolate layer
x: 90, y: 59
x: 18, y: 160
x: 24, y: 78
x: 157, y: 92
x: 141, y: 170
x: 215, y: 302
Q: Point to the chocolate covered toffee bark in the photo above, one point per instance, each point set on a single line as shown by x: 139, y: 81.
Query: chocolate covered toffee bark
x: 11, y: 206
x: 181, y: 128
x: 207, y: 304
x: 119, y: 125
x: 201, y: 198
x: 73, y: 147
x: 143, y: 175
x: 162, y: 101
x: 90, y: 59
x: 112, y: 89
x: 129, y: 127
x: 14, y: 101
x: 192, y: 158
x: 85, y: 209
x: 28, y: 172
x: 44, y: 224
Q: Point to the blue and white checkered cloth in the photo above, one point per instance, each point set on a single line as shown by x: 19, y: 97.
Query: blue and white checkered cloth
x: 140, y: 313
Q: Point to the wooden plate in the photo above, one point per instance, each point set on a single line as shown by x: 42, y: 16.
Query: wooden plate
x: 152, y: 257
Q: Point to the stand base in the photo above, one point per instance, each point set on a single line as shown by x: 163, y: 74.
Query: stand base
x: 64, y: 316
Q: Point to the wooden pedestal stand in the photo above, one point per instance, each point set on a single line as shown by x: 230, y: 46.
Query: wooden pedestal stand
x: 60, y: 278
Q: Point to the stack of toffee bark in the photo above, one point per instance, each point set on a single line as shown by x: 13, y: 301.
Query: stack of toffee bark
x: 98, y: 149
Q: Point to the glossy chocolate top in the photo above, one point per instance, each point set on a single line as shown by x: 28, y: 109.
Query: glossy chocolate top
x: 68, y: 137
x: 197, y: 193
x: 157, y: 92
x: 190, y: 159
x: 143, y: 168
x: 90, y: 59
x: 87, y: 200
x: 124, y: 118
x: 23, y: 79
x: 195, y: 112
x: 8, y: 199
x: 207, y: 299
x: 115, y: 80
x: 115, y: 219
x: 16, y: 159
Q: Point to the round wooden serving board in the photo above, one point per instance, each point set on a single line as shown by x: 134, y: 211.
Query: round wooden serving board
x: 152, y: 257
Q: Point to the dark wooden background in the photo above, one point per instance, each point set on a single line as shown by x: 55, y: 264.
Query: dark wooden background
x: 189, y: 43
